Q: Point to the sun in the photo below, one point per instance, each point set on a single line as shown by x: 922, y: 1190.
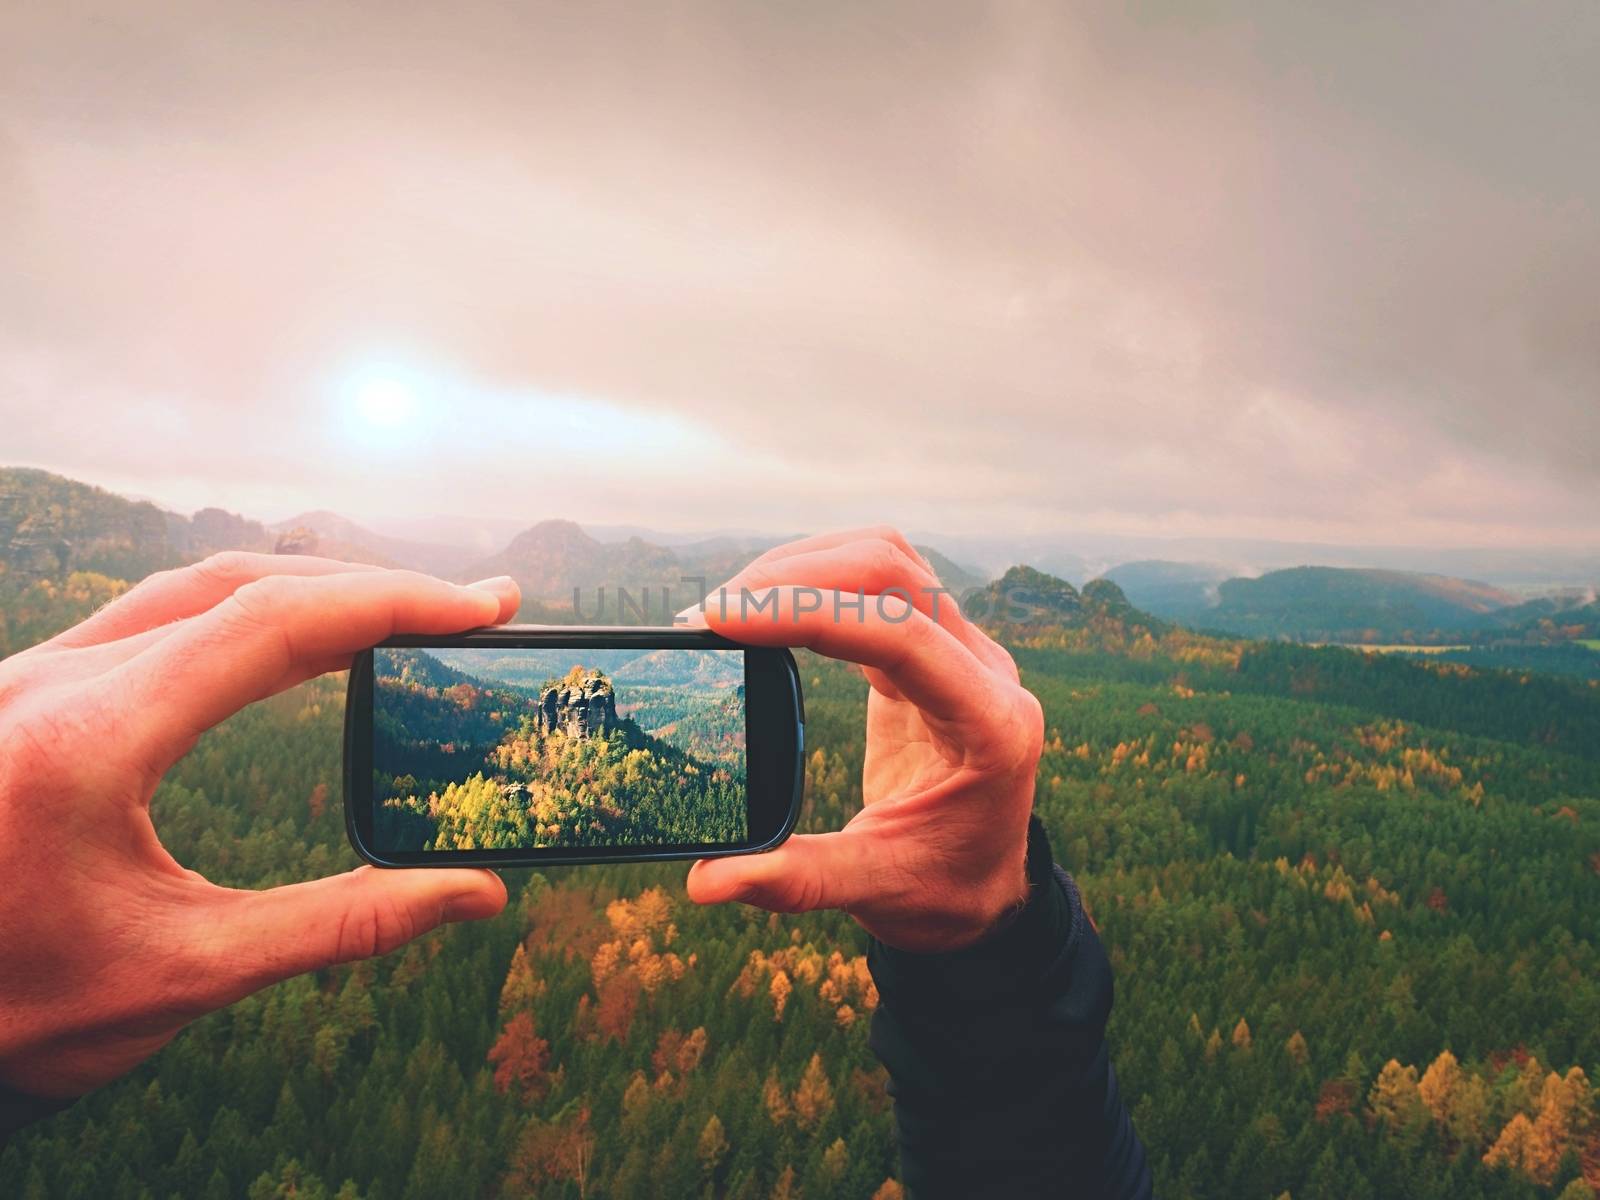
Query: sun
x: 387, y: 402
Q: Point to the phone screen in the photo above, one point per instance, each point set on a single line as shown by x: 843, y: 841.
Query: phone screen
x: 525, y: 748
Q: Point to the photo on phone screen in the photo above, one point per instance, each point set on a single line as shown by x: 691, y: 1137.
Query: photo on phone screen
x: 525, y: 745
x: 522, y: 748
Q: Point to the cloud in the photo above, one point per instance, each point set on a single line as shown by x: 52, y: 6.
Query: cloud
x: 1296, y: 272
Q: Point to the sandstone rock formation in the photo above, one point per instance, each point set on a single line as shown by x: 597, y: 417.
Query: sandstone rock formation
x: 581, y: 704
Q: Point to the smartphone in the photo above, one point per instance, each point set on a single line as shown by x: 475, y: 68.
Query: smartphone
x: 532, y: 745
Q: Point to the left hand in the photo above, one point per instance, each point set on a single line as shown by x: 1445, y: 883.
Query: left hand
x: 109, y: 946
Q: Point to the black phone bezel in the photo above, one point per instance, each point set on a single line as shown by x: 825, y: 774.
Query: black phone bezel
x: 774, y: 774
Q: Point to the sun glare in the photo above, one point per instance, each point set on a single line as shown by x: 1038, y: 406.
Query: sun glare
x: 387, y: 402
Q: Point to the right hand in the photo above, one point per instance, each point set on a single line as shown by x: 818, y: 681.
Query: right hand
x: 936, y: 858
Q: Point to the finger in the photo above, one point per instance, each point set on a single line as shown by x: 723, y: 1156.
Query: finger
x: 275, y: 632
x: 85, y: 662
x: 247, y: 940
x: 923, y: 661
x: 839, y: 537
x: 872, y: 565
x: 877, y: 567
x: 809, y: 871
x: 169, y: 596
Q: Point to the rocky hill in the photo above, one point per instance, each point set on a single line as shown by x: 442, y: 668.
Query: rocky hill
x: 1025, y: 600
x: 582, y: 704
x: 51, y: 526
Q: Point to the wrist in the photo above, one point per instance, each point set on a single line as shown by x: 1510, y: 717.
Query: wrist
x: 1020, y: 887
x: 1008, y: 962
x: 950, y: 917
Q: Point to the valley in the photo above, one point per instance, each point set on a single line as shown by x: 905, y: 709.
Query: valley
x: 1350, y: 899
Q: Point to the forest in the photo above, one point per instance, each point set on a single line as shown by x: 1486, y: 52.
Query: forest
x: 467, y: 763
x: 1351, y: 902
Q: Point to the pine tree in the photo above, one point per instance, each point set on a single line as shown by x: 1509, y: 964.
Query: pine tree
x: 1297, y: 1050
x: 521, y: 987
x: 836, y: 1160
x: 712, y: 1146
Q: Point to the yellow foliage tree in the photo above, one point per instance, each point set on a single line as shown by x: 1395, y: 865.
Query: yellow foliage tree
x: 1394, y: 1098
x: 1439, y: 1084
x: 1297, y: 1050
x: 836, y: 1159
x: 775, y: 1099
x: 813, y: 1099
x: 1510, y: 1149
x: 713, y: 1146
x: 521, y: 987
x: 787, y: 1187
x: 779, y: 989
x: 1566, y: 1115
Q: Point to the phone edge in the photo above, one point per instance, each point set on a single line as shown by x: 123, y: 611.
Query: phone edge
x: 361, y: 666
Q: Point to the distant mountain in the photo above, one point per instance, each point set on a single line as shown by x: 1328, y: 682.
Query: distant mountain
x: 532, y: 667
x: 1083, y: 554
x: 746, y: 539
x: 340, y: 537
x: 1563, y: 617
x: 669, y: 668
x: 1337, y: 604
x: 529, y: 667
x: 51, y: 526
x: 476, y: 536
x: 1025, y: 600
x: 552, y: 558
x: 953, y: 575
x: 417, y: 666
x: 1179, y: 591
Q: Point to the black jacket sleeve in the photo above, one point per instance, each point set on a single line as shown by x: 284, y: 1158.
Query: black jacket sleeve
x: 997, y: 1058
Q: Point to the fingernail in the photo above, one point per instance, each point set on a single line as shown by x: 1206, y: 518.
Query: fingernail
x: 496, y: 583
x: 694, y: 615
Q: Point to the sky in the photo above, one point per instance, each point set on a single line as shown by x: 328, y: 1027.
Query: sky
x: 1306, y: 272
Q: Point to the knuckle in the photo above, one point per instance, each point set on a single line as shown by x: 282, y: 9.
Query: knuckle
x: 255, y: 607
x: 372, y: 927
x: 227, y: 567
x: 890, y: 563
x: 796, y: 894
x: 1005, y: 661
x: 1028, y: 723
x: 892, y: 535
x: 17, y: 677
x: 754, y: 578
x: 259, y: 598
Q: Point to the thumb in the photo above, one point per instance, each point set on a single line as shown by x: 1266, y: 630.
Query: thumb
x: 809, y: 871
x: 262, y: 937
